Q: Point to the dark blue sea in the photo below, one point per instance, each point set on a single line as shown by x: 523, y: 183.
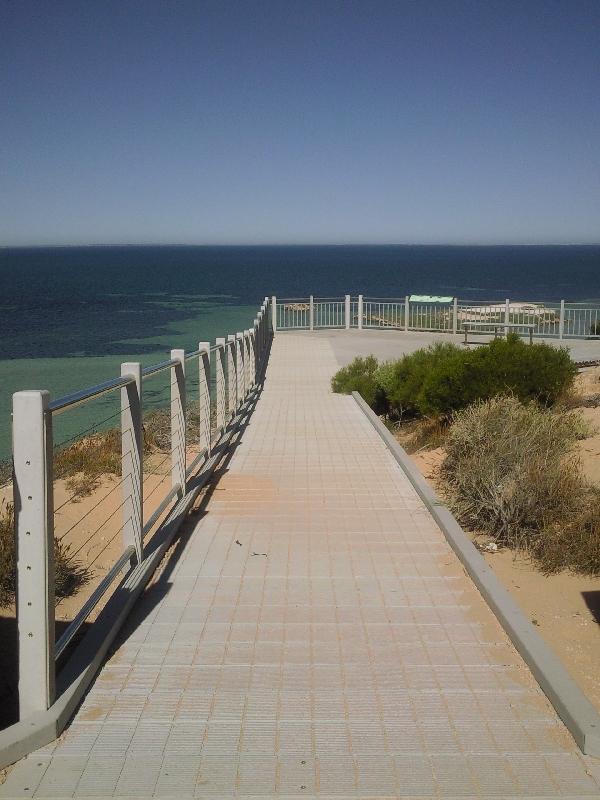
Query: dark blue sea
x: 70, y: 315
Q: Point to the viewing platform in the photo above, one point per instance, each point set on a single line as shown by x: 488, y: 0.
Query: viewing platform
x: 312, y: 633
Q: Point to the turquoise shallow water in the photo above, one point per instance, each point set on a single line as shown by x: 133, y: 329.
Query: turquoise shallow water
x: 62, y: 375
x: 70, y: 316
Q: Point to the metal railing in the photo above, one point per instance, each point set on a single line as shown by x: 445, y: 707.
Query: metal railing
x: 561, y: 320
x: 227, y: 374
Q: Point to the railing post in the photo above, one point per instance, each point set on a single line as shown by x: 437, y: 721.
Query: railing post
x: 360, y: 311
x: 34, y: 532
x: 561, y: 322
x: 255, y: 350
x: 274, y: 314
x: 406, y: 312
x: 257, y: 340
x: 247, y: 361
x: 178, y: 443
x: 261, y: 336
x: 506, y: 316
x: 204, y: 396
x: 264, y: 310
x: 244, y: 362
x: 311, y: 313
x: 267, y: 331
x: 132, y: 459
x: 220, y: 357
x: 232, y: 382
x: 240, y: 367
x: 455, y: 316
x: 347, y: 311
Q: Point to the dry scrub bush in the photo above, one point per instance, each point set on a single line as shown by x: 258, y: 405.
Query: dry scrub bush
x: 86, y: 460
x: 510, y: 471
x: 70, y: 575
x: 157, y: 430
x: 420, y: 434
x: 573, y: 542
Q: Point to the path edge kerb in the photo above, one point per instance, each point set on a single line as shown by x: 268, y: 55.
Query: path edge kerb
x: 570, y: 703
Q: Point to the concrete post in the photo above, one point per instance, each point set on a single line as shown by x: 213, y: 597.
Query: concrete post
x: 204, y: 396
x: 240, y: 367
x: 455, y: 316
x: 274, y: 314
x: 132, y: 460
x: 506, y: 317
x: 178, y: 438
x: 34, y: 531
x: 406, y: 313
x: 561, y: 321
x: 247, y: 361
x: 311, y: 313
x: 232, y: 383
x: 263, y: 335
x: 258, y: 338
x: 256, y: 350
x: 360, y: 311
x: 347, y: 312
x: 221, y: 399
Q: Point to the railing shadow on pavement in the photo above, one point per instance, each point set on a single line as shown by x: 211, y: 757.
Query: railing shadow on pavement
x: 156, y: 593
x: 54, y: 684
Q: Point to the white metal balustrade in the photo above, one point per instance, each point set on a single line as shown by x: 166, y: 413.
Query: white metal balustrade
x: 561, y: 320
x: 581, y: 321
x: 383, y: 313
x: 227, y: 375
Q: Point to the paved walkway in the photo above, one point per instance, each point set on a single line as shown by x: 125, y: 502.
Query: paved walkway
x: 315, y: 637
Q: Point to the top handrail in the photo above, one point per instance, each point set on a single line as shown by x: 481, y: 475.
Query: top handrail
x: 83, y: 395
x: 160, y: 367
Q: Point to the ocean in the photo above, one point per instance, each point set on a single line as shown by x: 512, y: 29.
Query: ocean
x: 70, y: 315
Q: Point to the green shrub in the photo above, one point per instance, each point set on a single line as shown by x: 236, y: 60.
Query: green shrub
x: 506, y: 366
x: 510, y: 472
x: 410, y: 373
x: 440, y: 379
x: 384, y: 377
x: 360, y: 375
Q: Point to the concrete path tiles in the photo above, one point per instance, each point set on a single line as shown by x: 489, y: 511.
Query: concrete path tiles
x: 316, y: 636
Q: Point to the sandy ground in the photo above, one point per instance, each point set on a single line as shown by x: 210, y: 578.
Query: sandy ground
x: 91, y: 528
x: 564, y: 607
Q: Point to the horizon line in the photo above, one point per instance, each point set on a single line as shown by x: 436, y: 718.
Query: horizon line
x: 298, y: 244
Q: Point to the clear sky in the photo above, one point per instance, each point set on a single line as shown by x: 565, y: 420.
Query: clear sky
x: 283, y: 121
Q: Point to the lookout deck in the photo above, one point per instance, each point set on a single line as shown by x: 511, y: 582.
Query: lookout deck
x: 315, y: 635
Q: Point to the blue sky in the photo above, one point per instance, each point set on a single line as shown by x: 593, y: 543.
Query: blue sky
x: 257, y: 122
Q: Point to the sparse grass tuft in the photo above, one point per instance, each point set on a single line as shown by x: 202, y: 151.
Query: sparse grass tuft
x: 421, y: 434
x: 157, y: 430
x: 70, y: 574
x: 7, y: 554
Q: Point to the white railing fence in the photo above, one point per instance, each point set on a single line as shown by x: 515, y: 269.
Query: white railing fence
x: 561, y: 319
x: 222, y: 379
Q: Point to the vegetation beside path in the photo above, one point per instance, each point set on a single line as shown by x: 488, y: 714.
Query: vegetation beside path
x: 505, y: 415
x: 82, y: 465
